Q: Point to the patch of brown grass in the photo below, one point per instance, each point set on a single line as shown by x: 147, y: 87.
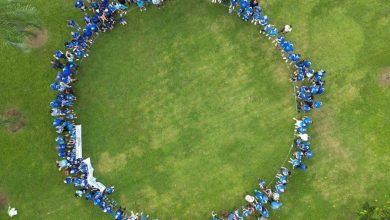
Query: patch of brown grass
x: 3, y: 201
x: 38, y: 39
x: 13, y: 120
x: 385, y: 77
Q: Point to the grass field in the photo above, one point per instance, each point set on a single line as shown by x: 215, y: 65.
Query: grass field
x: 184, y: 108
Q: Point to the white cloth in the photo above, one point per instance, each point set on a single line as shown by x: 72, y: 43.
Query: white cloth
x: 78, y: 144
x: 12, y: 212
x: 90, y: 178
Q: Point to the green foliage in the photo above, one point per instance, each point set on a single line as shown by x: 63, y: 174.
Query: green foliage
x: 372, y: 212
x: 18, y: 20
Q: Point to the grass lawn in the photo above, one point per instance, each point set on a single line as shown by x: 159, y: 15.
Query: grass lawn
x: 184, y: 108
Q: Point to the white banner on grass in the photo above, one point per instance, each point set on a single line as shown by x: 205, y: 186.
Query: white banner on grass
x: 90, y: 178
x: 79, y: 148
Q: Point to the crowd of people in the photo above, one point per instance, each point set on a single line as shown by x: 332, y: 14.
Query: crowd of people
x: 99, y: 16
x: 308, y: 84
x: 102, y: 16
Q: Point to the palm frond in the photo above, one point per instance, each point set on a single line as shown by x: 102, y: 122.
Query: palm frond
x: 17, y: 21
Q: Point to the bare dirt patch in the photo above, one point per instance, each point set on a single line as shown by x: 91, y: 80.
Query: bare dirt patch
x: 39, y: 38
x: 13, y: 120
x: 385, y: 77
x: 3, y: 201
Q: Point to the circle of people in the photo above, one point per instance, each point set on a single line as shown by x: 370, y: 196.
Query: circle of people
x: 102, y: 16
x: 311, y: 83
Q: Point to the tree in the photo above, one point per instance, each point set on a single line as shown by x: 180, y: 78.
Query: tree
x: 371, y: 212
x: 18, y: 21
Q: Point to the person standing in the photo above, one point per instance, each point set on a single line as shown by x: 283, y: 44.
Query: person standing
x: 12, y: 211
x: 286, y: 29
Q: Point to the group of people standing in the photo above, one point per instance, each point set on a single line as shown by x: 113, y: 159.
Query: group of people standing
x: 99, y: 16
x: 308, y: 83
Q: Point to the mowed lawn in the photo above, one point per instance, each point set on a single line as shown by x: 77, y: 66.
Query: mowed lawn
x: 184, y: 108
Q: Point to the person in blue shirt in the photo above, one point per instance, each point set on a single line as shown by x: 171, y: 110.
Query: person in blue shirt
x: 58, y: 54
x: 245, y: 213
x: 60, y: 139
x: 73, y: 24
x: 237, y: 214
x: 143, y: 216
x: 302, y: 167
x: 307, y: 63
x: 233, y: 4
x: 109, y: 190
x: 62, y: 164
x: 68, y: 180
x: 265, y: 213
x: 141, y: 5
x: 118, y: 214
x: 261, y: 197
x: 248, y: 13
x: 282, y: 179
x: 243, y: 5
x: 109, y: 209
x: 232, y: 217
x: 276, y: 205
x: 309, y: 154
x: 280, y: 188
x: 75, y: 35
x: 256, y: 15
x: 294, y: 57
x: 89, y: 196
x: 79, y: 4
x: 317, y: 104
x: 263, y: 20
x: 87, y: 33
x: 259, y: 207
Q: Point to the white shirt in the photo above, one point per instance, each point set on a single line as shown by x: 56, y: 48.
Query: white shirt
x: 304, y: 137
x: 12, y: 212
x: 249, y: 198
x: 287, y: 28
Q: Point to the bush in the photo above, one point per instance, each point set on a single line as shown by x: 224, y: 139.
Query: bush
x: 372, y: 212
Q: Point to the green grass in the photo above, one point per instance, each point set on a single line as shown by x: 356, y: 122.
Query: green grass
x: 182, y: 116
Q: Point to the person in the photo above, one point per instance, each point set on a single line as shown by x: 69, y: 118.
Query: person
x: 233, y: 4
x: 214, y: 215
x: 286, y: 29
x: 141, y: 6
x: 56, y: 64
x: 262, y: 184
x: 249, y: 198
x: 12, y: 211
x: 80, y: 5
x: 119, y: 213
x: 144, y: 217
x: 79, y: 193
x: 157, y: 3
x: 62, y: 164
x: 73, y: 24
x: 254, y: 3
x: 275, y: 205
x: 304, y: 137
x: 285, y: 172
x: 243, y: 5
